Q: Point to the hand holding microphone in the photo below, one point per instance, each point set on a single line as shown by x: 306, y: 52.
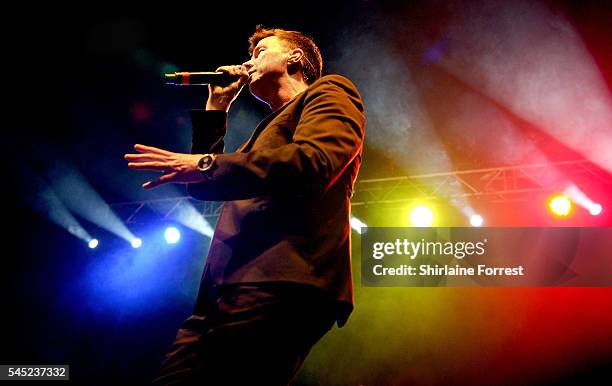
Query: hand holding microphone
x: 224, y: 85
x: 220, y: 97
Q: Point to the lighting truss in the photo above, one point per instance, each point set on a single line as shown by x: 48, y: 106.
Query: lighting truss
x: 502, y: 184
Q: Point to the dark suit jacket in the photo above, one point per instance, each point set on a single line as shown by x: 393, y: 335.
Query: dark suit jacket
x: 286, y: 192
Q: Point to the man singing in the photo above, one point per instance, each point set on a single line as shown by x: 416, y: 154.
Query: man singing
x: 278, y: 273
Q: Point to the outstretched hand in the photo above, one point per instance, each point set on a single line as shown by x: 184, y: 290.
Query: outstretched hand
x: 177, y: 167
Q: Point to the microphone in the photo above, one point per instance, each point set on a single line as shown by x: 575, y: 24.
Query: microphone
x: 200, y: 78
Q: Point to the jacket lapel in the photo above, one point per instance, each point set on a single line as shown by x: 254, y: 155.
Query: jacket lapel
x: 264, y: 123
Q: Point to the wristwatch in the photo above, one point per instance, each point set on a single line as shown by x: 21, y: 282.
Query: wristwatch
x: 206, y: 163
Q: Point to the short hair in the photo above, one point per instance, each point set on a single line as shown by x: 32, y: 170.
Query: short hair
x: 313, y: 66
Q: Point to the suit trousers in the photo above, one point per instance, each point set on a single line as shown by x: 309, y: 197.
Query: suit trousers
x: 256, y: 334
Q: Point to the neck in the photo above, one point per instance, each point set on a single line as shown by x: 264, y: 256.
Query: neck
x: 287, y: 88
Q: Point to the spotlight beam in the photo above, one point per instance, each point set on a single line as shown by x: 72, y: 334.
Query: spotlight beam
x: 81, y: 198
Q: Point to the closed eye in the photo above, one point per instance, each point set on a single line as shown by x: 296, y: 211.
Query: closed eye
x: 258, y: 51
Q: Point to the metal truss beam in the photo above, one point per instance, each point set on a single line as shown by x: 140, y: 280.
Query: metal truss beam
x: 163, y: 209
x: 502, y: 184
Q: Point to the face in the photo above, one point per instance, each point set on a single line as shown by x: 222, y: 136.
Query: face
x: 267, y: 64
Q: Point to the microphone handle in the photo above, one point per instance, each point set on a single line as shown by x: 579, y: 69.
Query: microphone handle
x: 200, y: 78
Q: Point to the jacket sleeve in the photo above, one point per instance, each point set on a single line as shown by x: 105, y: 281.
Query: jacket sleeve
x: 328, y: 136
x: 208, y: 131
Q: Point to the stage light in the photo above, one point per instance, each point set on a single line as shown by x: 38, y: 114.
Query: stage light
x: 172, y: 235
x: 358, y: 225
x: 476, y: 220
x: 580, y: 198
x: 595, y: 209
x: 93, y: 243
x: 136, y: 243
x: 560, y: 205
x: 421, y: 216
x: 184, y: 213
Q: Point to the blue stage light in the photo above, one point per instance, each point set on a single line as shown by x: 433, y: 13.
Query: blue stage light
x: 93, y: 243
x: 136, y: 243
x: 172, y: 235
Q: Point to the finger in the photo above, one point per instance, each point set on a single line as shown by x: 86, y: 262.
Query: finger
x: 243, y: 77
x: 232, y: 70
x: 144, y: 157
x: 223, y: 69
x: 150, y: 149
x: 242, y: 72
x: 161, y: 180
x: 155, y: 166
x: 237, y: 70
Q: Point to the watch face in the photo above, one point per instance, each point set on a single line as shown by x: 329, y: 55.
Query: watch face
x: 206, y: 162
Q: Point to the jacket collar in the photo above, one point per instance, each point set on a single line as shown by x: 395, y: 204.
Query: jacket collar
x: 264, y: 123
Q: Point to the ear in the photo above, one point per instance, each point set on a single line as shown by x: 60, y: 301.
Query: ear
x: 295, y: 56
